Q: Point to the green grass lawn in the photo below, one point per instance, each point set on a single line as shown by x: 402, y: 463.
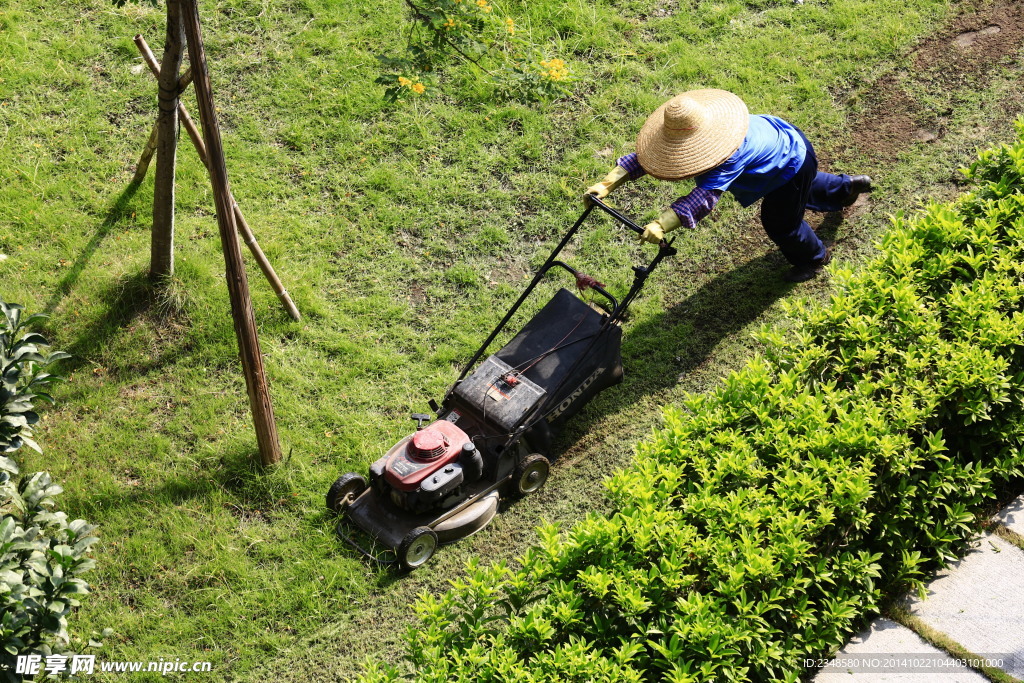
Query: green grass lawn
x: 403, y: 233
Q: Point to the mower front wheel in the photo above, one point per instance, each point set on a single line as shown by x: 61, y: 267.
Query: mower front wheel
x: 417, y: 548
x: 345, y: 490
x: 530, y: 474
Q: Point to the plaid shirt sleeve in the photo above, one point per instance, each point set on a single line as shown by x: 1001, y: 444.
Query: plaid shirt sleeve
x: 632, y: 166
x: 694, y: 206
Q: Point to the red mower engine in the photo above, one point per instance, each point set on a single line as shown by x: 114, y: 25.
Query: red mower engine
x: 426, y: 470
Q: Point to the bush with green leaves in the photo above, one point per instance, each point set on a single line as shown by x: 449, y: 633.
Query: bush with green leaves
x: 23, y: 355
x: 42, y: 557
x: 42, y: 553
x: 769, y: 515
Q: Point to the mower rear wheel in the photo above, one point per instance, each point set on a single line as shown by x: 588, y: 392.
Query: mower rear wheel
x: 530, y: 474
x: 345, y: 490
x: 417, y: 548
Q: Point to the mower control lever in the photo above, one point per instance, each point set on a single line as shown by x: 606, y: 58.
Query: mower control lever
x: 420, y: 419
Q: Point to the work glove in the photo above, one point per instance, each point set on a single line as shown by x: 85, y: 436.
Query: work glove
x: 655, y: 232
x: 615, y: 177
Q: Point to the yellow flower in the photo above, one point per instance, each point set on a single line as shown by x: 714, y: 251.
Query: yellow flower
x: 449, y: 24
x: 511, y: 25
x: 554, y: 69
x: 482, y: 4
x: 403, y: 81
x: 418, y: 88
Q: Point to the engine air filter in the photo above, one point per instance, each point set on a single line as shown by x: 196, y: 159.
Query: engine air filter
x: 428, y: 444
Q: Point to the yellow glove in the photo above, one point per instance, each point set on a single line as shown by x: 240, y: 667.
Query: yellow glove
x: 655, y: 232
x: 615, y: 177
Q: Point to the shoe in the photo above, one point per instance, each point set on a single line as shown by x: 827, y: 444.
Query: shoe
x: 858, y: 185
x: 806, y: 272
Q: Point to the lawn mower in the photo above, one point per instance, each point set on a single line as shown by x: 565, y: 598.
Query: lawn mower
x: 491, y: 436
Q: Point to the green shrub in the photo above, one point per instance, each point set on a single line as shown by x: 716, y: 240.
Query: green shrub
x: 42, y: 554
x: 770, y: 514
x: 22, y: 357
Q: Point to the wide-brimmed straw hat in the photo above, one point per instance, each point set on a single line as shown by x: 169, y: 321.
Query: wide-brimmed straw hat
x: 692, y: 133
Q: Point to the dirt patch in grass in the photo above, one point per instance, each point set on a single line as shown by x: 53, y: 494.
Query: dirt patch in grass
x: 961, y: 58
x: 248, y: 515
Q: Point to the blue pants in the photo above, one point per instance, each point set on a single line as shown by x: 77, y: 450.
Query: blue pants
x: 782, y: 209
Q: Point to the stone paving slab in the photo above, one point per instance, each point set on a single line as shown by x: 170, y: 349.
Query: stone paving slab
x: 1012, y: 516
x: 979, y: 602
x: 887, y: 652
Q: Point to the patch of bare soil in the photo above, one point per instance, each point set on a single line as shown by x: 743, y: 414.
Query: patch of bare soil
x: 958, y: 59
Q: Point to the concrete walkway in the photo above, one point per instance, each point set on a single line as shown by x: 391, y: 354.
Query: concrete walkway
x: 977, y: 603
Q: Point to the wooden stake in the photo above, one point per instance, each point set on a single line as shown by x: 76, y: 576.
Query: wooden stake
x: 147, y: 156
x: 238, y: 285
x: 243, y: 227
x: 161, y: 260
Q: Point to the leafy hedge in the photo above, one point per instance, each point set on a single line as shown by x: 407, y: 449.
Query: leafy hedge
x: 42, y: 554
x: 42, y: 557
x: 23, y: 355
x: 768, y: 515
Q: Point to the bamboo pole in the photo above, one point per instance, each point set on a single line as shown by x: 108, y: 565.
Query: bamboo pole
x: 243, y: 226
x: 185, y: 79
x: 161, y: 260
x: 147, y: 156
x: 238, y: 285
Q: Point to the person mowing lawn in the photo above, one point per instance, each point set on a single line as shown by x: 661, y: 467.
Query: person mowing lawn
x: 709, y: 135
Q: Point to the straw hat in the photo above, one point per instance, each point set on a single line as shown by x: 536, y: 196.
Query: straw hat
x: 692, y: 133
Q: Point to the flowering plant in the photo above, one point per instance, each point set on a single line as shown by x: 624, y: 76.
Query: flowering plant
x: 537, y: 78
x: 470, y: 31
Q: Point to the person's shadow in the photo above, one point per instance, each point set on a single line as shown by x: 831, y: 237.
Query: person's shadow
x: 659, y: 352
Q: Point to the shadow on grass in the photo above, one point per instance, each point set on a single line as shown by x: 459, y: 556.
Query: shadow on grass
x: 125, y: 301
x: 658, y: 353
x: 251, y: 490
x: 830, y: 226
x: 121, y: 208
x: 130, y: 302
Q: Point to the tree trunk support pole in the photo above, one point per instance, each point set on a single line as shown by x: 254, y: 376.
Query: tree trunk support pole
x: 161, y: 261
x: 238, y: 285
x: 147, y: 155
x: 243, y: 226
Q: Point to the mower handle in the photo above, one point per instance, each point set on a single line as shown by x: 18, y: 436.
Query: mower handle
x: 626, y: 221
x: 641, y: 273
x: 592, y: 198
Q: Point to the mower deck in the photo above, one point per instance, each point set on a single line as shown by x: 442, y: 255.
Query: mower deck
x: 389, y: 526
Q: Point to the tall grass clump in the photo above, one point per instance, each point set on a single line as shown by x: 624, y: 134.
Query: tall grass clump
x: 770, y: 514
